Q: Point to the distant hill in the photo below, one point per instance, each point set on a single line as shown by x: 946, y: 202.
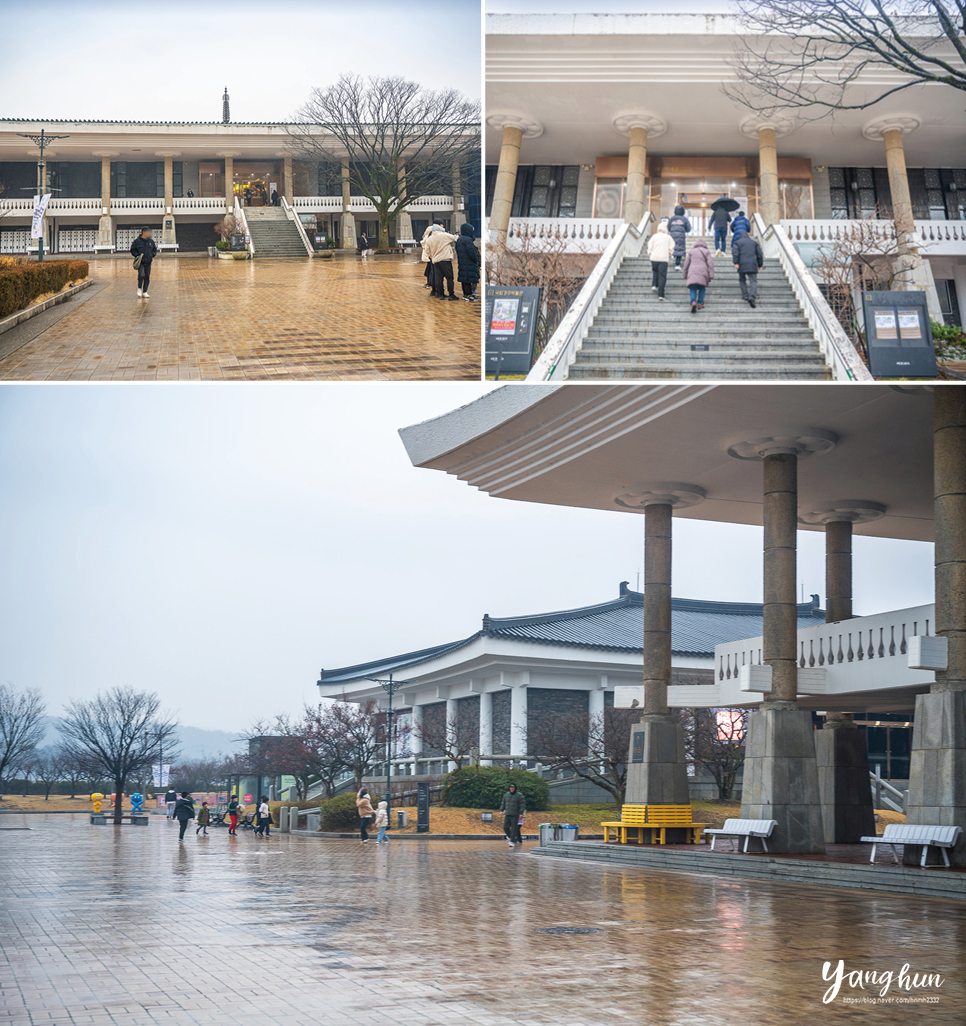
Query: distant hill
x: 195, y: 742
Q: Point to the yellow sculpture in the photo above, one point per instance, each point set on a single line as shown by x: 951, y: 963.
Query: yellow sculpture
x: 97, y: 798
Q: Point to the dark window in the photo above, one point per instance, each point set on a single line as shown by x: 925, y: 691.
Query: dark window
x: 948, y: 301
x: 177, y: 178
x: 934, y: 194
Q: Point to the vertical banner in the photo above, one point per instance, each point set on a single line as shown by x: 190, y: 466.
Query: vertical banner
x: 40, y: 208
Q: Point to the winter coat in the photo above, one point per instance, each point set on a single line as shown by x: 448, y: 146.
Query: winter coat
x: 422, y: 243
x: 184, y: 808
x: 171, y: 796
x: 513, y: 804
x: 467, y: 256
x: 740, y: 224
x: 660, y: 246
x: 699, y: 266
x: 746, y: 253
x: 679, y: 226
x: 720, y: 218
x: 439, y: 247
x: 233, y: 807
x: 365, y: 807
x: 382, y: 816
x: 145, y: 248
x: 204, y: 816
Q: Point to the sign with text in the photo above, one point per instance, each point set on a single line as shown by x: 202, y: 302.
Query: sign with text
x: 422, y: 807
x: 161, y: 775
x: 40, y: 208
x: 511, y: 328
x: 898, y: 335
x: 637, y: 746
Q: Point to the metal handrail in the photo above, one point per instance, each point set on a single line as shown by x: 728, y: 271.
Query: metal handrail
x: 887, y: 799
x: 840, y: 354
x: 292, y: 215
x: 240, y: 216
x: 565, y: 342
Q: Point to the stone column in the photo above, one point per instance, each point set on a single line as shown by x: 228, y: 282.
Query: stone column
x: 768, y: 202
x: 937, y: 772
x: 417, y: 741
x: 780, y: 773
x: 229, y: 184
x: 450, y: 728
x: 595, y: 706
x: 348, y: 219
x: 404, y: 222
x: 514, y: 127
x: 287, y: 187
x: 459, y: 215
x: 105, y: 225
x: 639, y: 126
x: 518, y: 720
x: 914, y: 272
x: 168, y: 231
x: 486, y: 725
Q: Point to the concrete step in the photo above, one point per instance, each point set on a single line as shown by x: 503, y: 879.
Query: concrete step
x: 597, y: 344
x: 724, y: 372
x: 629, y: 328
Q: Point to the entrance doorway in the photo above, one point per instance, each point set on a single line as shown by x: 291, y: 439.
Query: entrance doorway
x: 253, y: 180
x: 697, y: 194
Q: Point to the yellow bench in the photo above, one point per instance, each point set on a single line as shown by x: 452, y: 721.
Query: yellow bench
x: 655, y: 819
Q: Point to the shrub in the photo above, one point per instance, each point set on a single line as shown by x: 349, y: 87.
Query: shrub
x: 483, y: 787
x: 340, y: 813
x: 949, y: 341
x: 21, y: 282
x: 221, y: 244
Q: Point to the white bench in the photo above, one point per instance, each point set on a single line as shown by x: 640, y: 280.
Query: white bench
x: 746, y: 828
x: 941, y: 837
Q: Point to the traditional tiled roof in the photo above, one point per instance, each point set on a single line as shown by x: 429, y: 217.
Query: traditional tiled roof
x: 697, y: 625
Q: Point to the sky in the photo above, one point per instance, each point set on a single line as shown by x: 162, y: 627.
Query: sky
x: 609, y: 6
x: 219, y: 545
x: 170, y: 61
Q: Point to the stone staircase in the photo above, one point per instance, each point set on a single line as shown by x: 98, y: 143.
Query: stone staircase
x: 273, y: 234
x: 634, y: 335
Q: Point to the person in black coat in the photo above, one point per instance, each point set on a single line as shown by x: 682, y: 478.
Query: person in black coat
x: 467, y: 262
x: 144, y: 247
x: 275, y: 202
x: 748, y: 259
x: 184, y: 812
x: 678, y: 228
x: 720, y: 219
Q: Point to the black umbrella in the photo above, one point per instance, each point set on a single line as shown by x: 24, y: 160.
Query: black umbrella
x: 725, y: 203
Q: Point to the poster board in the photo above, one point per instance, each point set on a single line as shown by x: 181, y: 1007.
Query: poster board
x: 898, y: 335
x: 511, y: 329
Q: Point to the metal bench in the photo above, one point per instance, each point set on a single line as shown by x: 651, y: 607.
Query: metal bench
x: 746, y: 828
x: 941, y: 837
x: 656, y: 819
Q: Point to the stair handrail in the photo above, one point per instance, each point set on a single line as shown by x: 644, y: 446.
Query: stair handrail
x: 240, y: 216
x: 840, y: 354
x: 554, y: 362
x: 884, y: 794
x: 293, y: 216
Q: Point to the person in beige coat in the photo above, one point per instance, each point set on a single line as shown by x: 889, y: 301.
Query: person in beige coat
x: 660, y: 249
x: 439, y: 247
x: 382, y: 822
x: 428, y: 271
x: 366, y: 814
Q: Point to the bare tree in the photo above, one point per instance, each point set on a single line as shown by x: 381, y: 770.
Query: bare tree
x: 228, y: 226
x: 401, y: 141
x: 453, y: 740
x: 118, y: 732
x: 359, y: 731
x: 48, y: 767
x: 22, y: 726
x: 806, y: 55
x: 73, y: 770
x: 204, y: 774
x: 593, y: 748
x: 715, y: 739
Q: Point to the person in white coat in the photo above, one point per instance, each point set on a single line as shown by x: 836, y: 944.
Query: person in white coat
x: 660, y: 249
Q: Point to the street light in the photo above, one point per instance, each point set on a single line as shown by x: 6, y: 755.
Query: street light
x: 41, y: 141
x: 390, y: 686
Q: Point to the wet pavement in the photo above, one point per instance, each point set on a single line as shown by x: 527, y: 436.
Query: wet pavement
x: 211, y: 320
x: 105, y: 925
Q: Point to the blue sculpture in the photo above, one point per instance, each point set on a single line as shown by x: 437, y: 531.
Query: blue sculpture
x: 137, y: 804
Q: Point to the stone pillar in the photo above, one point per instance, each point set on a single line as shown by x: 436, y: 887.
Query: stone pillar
x: 229, y: 185
x: 417, y: 741
x: 404, y: 221
x: 595, y: 707
x: 287, y: 180
x: 486, y: 725
x: 515, y: 128
x: 518, y: 720
x: 937, y: 773
x: 914, y: 272
x: 105, y: 225
x: 168, y: 232
x: 459, y: 215
x: 780, y: 773
x: 640, y: 127
x: 450, y: 728
x: 768, y: 202
x: 348, y: 219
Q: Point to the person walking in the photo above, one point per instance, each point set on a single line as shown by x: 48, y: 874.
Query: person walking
x: 467, y: 262
x: 366, y: 814
x: 698, y: 271
x: 442, y: 252
x: 720, y: 219
x: 679, y: 227
x: 233, y: 816
x: 144, y: 250
x: 184, y: 811
x: 748, y: 259
x: 263, y: 818
x: 740, y: 224
x: 660, y: 247
x: 275, y: 202
x: 204, y: 818
x: 382, y: 822
x: 171, y: 796
x: 513, y: 807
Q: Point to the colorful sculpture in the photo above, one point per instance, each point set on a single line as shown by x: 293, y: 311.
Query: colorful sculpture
x: 97, y: 798
x: 137, y: 804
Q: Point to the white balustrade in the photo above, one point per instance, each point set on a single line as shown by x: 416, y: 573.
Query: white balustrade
x: 935, y: 238
x: 77, y: 240
x: 577, y: 234
x: 214, y: 204
x: 119, y: 203
x: 14, y: 242
x: 292, y: 215
x: 359, y: 204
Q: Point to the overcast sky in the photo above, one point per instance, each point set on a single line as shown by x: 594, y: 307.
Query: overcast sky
x: 610, y: 6
x: 220, y: 544
x: 171, y: 60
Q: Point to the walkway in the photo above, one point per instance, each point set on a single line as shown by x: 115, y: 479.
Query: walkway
x: 126, y: 927
x: 210, y: 319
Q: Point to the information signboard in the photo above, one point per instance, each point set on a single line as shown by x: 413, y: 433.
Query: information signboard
x: 422, y: 807
x: 898, y: 335
x: 637, y: 746
x: 238, y: 244
x: 511, y: 328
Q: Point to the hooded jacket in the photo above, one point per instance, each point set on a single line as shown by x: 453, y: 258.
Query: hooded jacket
x: 746, y: 253
x: 678, y: 227
x: 365, y: 807
x: 184, y: 808
x: 145, y: 248
x: 699, y: 266
x: 204, y: 816
x: 439, y: 246
x: 467, y: 256
x: 382, y: 816
x: 422, y: 243
x: 660, y: 246
x: 740, y: 224
x: 513, y: 804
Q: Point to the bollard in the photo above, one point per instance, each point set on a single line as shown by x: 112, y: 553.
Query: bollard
x: 313, y: 820
x: 283, y: 820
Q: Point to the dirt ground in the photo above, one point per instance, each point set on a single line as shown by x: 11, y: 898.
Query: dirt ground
x: 57, y: 803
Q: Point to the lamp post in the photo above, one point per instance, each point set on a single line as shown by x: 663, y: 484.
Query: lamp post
x: 390, y: 686
x: 41, y: 141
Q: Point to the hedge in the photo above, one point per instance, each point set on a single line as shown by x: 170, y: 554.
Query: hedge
x: 339, y: 813
x: 22, y: 283
x: 483, y: 787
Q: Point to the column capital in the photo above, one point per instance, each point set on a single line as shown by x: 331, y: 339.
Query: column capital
x: 530, y: 127
x: 654, y: 124
x: 902, y: 123
x: 228, y: 153
x: 673, y: 494
x: 852, y: 511
x: 167, y: 153
x: 811, y: 443
x: 754, y: 123
x: 103, y: 153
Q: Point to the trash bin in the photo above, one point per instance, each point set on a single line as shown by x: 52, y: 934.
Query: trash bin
x: 402, y: 819
x: 546, y: 833
x: 313, y: 819
x: 212, y: 251
x: 565, y: 832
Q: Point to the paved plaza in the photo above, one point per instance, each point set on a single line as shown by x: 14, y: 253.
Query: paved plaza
x: 125, y: 926
x: 214, y: 320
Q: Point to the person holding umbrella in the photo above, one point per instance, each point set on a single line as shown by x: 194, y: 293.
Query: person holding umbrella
x: 720, y: 219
